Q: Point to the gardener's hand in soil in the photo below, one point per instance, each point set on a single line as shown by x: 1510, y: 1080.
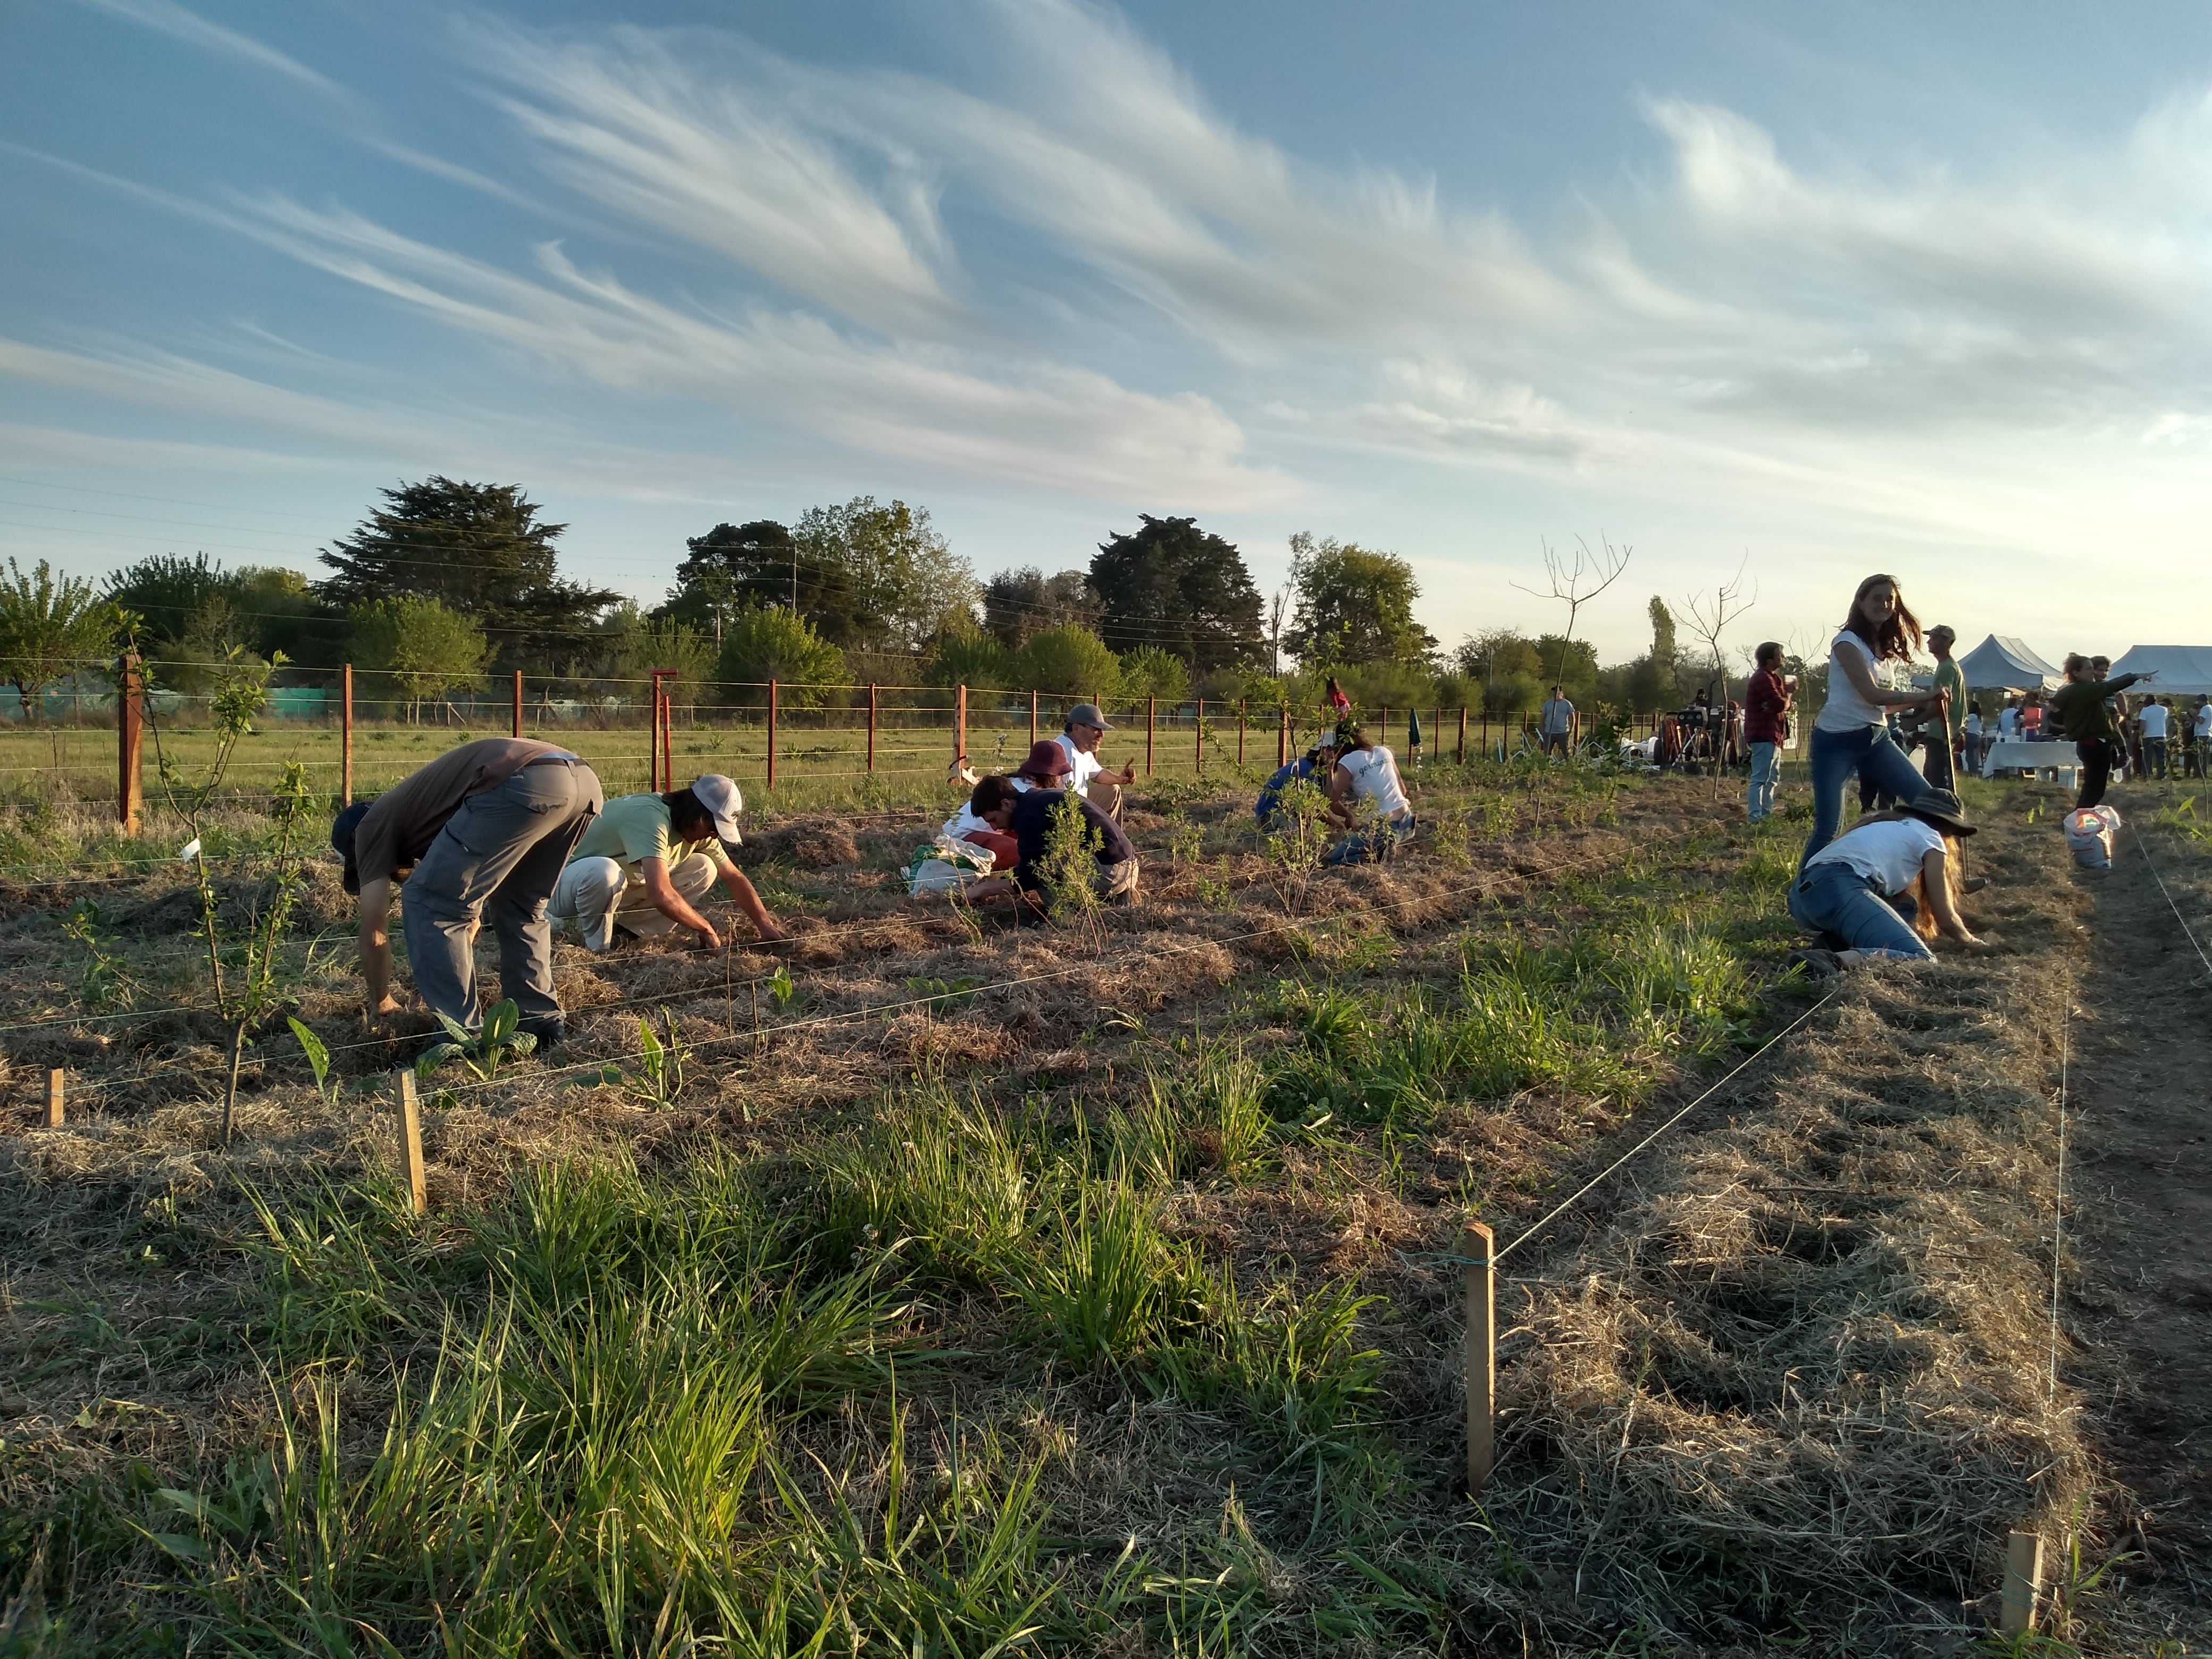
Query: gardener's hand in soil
x: 709, y: 938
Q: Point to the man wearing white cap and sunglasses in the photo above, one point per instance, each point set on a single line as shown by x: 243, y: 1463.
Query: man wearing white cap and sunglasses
x: 647, y: 861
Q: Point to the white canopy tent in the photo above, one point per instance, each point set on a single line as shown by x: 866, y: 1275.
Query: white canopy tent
x: 2183, y: 668
x: 2008, y: 665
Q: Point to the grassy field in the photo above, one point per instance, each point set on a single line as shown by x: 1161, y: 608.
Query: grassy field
x: 940, y: 1286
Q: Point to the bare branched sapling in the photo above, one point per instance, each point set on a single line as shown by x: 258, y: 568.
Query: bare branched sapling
x: 1710, y: 616
x: 1575, y: 579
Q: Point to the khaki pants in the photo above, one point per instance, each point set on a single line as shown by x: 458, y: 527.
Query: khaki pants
x: 599, y: 895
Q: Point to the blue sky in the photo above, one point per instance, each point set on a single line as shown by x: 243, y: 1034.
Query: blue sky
x: 1810, y: 291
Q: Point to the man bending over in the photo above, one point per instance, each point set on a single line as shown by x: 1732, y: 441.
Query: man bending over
x: 644, y: 866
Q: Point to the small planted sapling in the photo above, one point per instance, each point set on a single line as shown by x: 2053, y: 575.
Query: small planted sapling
x: 319, y: 1059
x: 483, y: 1055
x: 250, y: 980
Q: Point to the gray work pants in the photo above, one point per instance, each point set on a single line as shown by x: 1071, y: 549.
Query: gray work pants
x: 502, y: 850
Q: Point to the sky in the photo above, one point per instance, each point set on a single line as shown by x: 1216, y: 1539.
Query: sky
x: 1776, y: 296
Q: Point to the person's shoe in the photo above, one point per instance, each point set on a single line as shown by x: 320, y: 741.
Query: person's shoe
x: 1817, y: 962
x: 1974, y: 883
x: 551, y: 1032
x: 1127, y: 896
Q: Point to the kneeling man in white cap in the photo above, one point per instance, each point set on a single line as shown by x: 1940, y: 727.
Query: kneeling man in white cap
x: 647, y: 861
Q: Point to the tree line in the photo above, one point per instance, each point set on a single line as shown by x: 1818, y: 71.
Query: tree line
x: 447, y: 584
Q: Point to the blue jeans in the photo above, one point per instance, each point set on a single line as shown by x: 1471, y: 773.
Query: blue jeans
x: 1372, y: 846
x: 1867, y: 751
x: 501, y: 851
x: 1765, y: 774
x: 1839, y: 904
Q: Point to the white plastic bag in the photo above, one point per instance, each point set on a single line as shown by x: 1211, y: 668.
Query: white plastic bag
x: 2089, y: 832
x: 947, y: 863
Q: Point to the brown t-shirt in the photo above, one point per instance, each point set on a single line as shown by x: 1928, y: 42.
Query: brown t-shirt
x: 402, y: 823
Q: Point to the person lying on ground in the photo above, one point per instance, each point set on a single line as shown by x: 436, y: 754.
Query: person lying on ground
x: 1027, y: 816
x: 1887, y: 886
x: 487, y: 825
x: 1367, y: 797
x: 641, y: 870
x: 2084, y: 714
x: 1088, y: 776
x: 1315, y: 766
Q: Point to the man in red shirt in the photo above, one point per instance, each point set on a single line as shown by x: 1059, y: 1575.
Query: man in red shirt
x: 1765, y: 716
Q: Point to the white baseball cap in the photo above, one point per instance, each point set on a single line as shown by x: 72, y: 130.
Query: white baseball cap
x: 721, y: 797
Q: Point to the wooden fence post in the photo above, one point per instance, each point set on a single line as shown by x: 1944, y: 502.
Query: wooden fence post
x: 1283, y: 734
x: 1460, y: 758
x: 518, y: 702
x: 1033, y: 714
x: 130, y: 744
x: 959, y: 730
x: 2023, y: 1583
x: 771, y: 734
x: 345, y: 736
x: 652, y: 740
x: 1386, y: 722
x: 410, y: 1141
x: 668, y: 737
x: 1198, y: 739
x: 1240, y: 729
x: 1478, y: 1246
x: 1152, y: 721
x: 871, y: 728
x: 57, y: 1084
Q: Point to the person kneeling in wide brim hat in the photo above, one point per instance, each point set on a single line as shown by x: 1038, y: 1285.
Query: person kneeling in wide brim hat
x: 1886, y: 887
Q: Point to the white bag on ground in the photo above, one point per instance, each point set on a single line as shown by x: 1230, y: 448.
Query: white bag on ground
x: 947, y: 863
x: 2089, y: 832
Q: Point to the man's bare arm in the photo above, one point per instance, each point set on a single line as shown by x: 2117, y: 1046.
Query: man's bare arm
x: 671, y: 903
x: 743, y: 895
x: 375, y: 912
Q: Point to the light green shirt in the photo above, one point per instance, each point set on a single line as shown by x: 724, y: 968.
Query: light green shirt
x: 1950, y: 677
x: 631, y: 829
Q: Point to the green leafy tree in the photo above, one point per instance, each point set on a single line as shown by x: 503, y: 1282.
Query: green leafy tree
x: 1149, y: 672
x: 973, y: 657
x: 1353, y: 605
x: 1068, y: 662
x: 479, y: 550
x: 1182, y: 589
x: 1020, y: 604
x: 889, y: 581
x: 49, y: 627
x: 193, y: 612
x: 426, y: 650
x: 637, y: 646
x: 734, y: 567
x: 768, y: 642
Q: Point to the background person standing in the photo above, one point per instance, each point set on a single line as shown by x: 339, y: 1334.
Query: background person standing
x: 1556, y: 721
x: 2084, y: 715
x: 1945, y: 731
x: 1766, y: 702
x: 2152, y: 720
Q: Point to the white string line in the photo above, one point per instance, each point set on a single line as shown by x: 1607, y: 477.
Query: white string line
x: 2058, y: 1212
x: 2142, y: 846
x: 1580, y: 1192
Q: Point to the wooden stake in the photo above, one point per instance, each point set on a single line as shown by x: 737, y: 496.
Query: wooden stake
x: 1033, y: 712
x: 959, y: 730
x: 1461, y: 756
x: 1198, y: 739
x: 1478, y: 1246
x: 771, y: 734
x: 653, y: 741
x: 1283, y: 735
x: 57, y: 1083
x: 668, y: 737
x: 2023, y: 1583
x: 872, y: 727
x: 1240, y: 731
x: 518, y: 702
x: 1151, y: 719
x: 345, y: 735
x: 410, y: 1141
x: 129, y: 742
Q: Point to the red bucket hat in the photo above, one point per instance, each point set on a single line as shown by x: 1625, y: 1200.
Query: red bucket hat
x: 1047, y: 761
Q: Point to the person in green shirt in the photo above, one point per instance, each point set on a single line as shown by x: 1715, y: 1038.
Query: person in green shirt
x: 2084, y: 715
x: 1943, y: 732
x: 647, y: 861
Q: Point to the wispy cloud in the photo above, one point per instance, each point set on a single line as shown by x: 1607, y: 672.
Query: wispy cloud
x: 194, y: 30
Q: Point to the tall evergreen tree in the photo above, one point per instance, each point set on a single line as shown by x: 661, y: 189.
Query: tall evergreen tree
x: 479, y: 550
x: 1184, y: 589
x: 736, y: 567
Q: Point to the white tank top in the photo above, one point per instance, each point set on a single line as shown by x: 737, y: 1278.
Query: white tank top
x: 1845, y: 710
x: 1375, y: 778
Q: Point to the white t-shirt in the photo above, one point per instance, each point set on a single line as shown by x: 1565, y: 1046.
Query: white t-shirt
x: 2009, y: 723
x: 1973, y: 722
x: 1557, y: 717
x: 2204, y: 719
x: 1087, y: 765
x: 1375, y: 778
x: 1845, y: 710
x: 2153, y: 716
x: 1888, y: 853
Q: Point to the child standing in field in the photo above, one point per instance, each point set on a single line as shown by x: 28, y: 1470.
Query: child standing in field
x: 1852, y: 733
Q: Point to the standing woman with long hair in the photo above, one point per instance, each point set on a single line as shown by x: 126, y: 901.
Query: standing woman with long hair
x: 1852, y: 733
